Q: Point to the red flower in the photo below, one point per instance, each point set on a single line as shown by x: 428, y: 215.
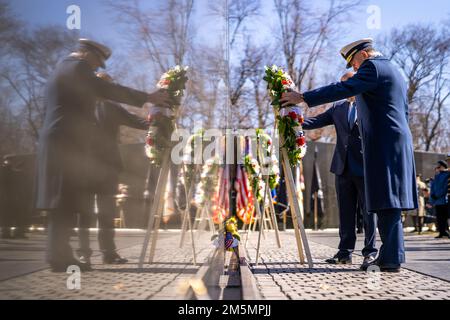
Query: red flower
x: 292, y: 115
x: 149, y: 141
x: 284, y: 82
x: 300, y: 119
x: 269, y: 142
x: 301, y: 141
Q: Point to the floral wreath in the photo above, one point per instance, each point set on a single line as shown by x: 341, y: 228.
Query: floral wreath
x: 289, y: 119
x: 230, y: 236
x: 162, y: 124
x: 254, y: 168
x: 272, y: 166
x: 190, y: 167
x: 208, y: 181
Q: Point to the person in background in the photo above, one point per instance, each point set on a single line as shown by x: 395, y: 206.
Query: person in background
x: 448, y: 188
x: 418, y: 216
x: 430, y: 216
x: 439, y: 198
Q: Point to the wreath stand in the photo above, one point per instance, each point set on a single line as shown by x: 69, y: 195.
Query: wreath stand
x: 202, y: 218
x: 154, y: 219
x: 295, y: 208
x: 187, y: 224
x: 267, y: 217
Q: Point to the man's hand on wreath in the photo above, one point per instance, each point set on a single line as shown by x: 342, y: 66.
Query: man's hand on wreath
x: 161, y: 98
x: 291, y: 98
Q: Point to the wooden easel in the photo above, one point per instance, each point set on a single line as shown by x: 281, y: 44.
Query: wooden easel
x: 154, y: 219
x: 187, y: 224
x: 295, y: 208
x: 202, y: 217
x: 267, y: 216
x: 263, y: 217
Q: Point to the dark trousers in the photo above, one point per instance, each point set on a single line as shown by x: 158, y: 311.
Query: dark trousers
x: 359, y: 220
x: 106, y: 205
x: 350, y: 191
x: 60, y: 224
x: 442, y: 219
x: 418, y: 222
x: 390, y: 227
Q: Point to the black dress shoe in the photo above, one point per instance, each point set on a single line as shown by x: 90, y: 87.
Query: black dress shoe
x: 382, y: 268
x: 369, y: 260
x: 393, y: 269
x: 85, y: 260
x: 114, y: 259
x: 365, y: 266
x: 62, y: 266
x: 340, y: 259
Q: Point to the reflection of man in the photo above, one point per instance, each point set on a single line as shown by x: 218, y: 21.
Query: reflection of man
x: 389, y: 170
x: 106, y: 166
x: 64, y: 142
x: 347, y: 165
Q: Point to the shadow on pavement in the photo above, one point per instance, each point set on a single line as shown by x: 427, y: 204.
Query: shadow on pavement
x: 306, y: 270
x: 149, y: 270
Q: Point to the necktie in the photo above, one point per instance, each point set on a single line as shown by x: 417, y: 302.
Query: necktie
x: 352, y: 115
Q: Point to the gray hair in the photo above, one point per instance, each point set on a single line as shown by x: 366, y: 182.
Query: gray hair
x: 372, y: 52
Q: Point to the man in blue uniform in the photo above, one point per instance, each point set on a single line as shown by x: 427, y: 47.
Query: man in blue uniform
x: 64, y: 150
x: 388, y: 155
x: 347, y: 165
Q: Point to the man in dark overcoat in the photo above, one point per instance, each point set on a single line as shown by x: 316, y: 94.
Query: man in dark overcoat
x: 106, y: 167
x: 64, y: 149
x: 389, y: 169
x: 347, y: 165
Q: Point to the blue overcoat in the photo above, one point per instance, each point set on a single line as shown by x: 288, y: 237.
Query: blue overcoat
x: 389, y: 169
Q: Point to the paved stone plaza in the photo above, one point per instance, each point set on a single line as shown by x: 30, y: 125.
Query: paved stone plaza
x: 278, y: 275
x: 159, y: 280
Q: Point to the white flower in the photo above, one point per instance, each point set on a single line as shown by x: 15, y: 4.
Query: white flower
x: 303, y: 151
x: 275, y: 170
x: 289, y: 86
x: 254, y: 163
x: 274, y: 159
x: 277, y: 178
